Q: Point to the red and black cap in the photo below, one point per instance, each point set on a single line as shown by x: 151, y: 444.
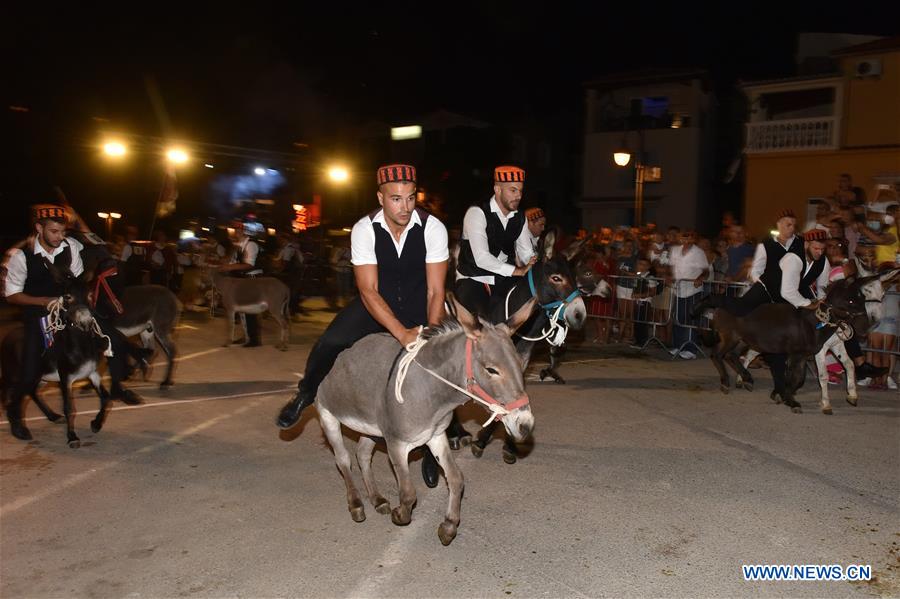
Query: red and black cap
x: 392, y: 173
x: 816, y: 235
x: 508, y: 174
x: 785, y: 213
x: 534, y: 214
x: 54, y: 211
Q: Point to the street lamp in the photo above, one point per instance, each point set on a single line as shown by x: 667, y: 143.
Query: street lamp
x: 114, y: 149
x: 109, y: 217
x: 622, y: 157
x: 177, y: 156
x: 338, y: 174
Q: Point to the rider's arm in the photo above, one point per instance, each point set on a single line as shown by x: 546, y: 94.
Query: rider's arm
x: 437, y: 256
x: 759, y: 263
x: 475, y: 231
x: 14, y: 281
x: 822, y: 281
x: 524, y: 249
x: 791, y: 272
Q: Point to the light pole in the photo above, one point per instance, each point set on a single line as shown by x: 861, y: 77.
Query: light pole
x: 109, y: 217
x: 622, y: 157
x: 339, y: 176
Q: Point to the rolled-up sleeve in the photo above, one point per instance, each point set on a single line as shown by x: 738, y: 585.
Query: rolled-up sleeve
x: 791, y: 270
x: 822, y: 281
x: 524, y: 247
x: 475, y: 231
x: 362, y: 243
x: 436, y: 241
x: 15, y: 272
x: 76, y: 265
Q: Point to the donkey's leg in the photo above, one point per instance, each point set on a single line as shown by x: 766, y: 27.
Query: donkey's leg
x: 484, y: 437
x: 229, y: 326
x: 65, y: 387
x: 165, y: 342
x: 716, y: 356
x: 555, y: 353
x: 364, y: 450
x: 48, y: 412
x: 283, y: 327
x: 105, y: 402
x: 849, y: 371
x: 455, y: 483
x: 822, y: 369
x: 332, y: 428
x: 398, y: 451
x: 745, y: 379
x: 795, y: 366
x: 457, y: 435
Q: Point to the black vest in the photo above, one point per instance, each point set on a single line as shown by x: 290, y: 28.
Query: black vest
x: 39, y: 282
x: 809, y: 279
x: 499, y: 240
x: 401, y: 279
x: 771, y: 276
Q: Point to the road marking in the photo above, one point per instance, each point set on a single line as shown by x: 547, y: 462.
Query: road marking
x: 187, y: 326
x: 170, y: 402
x: 58, y: 488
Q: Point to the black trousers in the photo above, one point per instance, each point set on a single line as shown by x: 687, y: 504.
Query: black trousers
x: 350, y: 325
x: 30, y: 376
x: 481, y: 299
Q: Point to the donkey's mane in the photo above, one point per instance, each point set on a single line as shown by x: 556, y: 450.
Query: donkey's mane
x: 447, y: 326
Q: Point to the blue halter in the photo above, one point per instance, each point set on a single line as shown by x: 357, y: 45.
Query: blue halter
x: 549, y: 308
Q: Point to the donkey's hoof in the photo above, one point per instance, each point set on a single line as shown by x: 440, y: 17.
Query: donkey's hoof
x: 827, y: 411
x: 509, y: 457
x: 358, y: 514
x: 20, y: 431
x: 852, y: 400
x: 457, y: 443
x: 75, y: 443
x: 383, y: 508
x: 747, y: 385
x: 477, y: 449
x: 164, y: 386
x: 399, y: 517
x: 96, y: 426
x: 55, y: 418
x: 726, y: 389
x: 796, y: 409
x: 776, y: 397
x: 446, y: 533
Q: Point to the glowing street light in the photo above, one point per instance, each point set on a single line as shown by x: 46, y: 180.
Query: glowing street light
x: 177, y: 156
x: 114, y: 148
x: 338, y: 174
x: 259, y: 171
x: 109, y: 217
x: 622, y: 157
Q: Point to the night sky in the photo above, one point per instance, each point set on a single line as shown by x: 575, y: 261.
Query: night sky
x: 271, y: 78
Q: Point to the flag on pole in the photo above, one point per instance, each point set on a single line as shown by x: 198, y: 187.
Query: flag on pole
x: 165, y: 205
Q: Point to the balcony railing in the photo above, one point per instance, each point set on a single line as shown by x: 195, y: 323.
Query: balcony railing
x: 792, y: 135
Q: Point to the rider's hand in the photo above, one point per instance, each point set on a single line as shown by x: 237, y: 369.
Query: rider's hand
x: 698, y: 282
x: 812, y: 305
x: 409, y: 336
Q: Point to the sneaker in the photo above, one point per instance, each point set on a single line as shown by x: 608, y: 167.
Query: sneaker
x: 686, y: 355
x: 673, y: 352
x: 863, y: 382
x: 891, y: 384
x: 636, y: 346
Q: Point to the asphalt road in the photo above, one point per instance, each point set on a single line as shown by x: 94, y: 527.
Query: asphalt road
x: 643, y: 480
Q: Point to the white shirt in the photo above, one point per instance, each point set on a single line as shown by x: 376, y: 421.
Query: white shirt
x: 792, y: 271
x: 362, y: 239
x: 759, y: 259
x: 289, y: 252
x: 687, y: 266
x: 249, y: 252
x: 475, y: 231
x: 17, y: 269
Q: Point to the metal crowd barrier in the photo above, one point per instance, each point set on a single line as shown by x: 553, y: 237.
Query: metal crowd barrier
x: 687, y: 295
x: 643, y: 301
x: 890, y: 296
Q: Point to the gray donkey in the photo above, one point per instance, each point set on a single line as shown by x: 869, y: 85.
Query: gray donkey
x: 360, y: 392
x: 253, y: 296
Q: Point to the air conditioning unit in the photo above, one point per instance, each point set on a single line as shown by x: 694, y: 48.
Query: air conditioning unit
x: 868, y: 68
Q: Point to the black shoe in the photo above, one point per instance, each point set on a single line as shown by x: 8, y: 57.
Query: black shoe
x: 429, y: 468
x: 290, y: 413
x: 254, y: 343
x: 866, y: 370
x: 127, y: 397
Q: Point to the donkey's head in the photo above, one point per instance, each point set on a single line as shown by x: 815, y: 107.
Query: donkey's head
x: 494, y: 367
x: 74, y: 305
x: 847, y: 301
x: 554, y: 282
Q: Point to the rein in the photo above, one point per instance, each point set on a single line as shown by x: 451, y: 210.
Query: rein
x: 55, y: 324
x: 555, y: 311
x: 844, y: 331
x: 473, y: 390
x: 101, y: 280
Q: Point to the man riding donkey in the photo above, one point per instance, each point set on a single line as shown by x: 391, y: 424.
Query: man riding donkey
x: 243, y: 264
x: 496, y: 247
x: 785, y: 270
x: 29, y: 283
x: 400, y: 256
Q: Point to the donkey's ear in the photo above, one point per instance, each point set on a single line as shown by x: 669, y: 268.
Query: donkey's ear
x: 519, y: 317
x: 889, y: 274
x: 545, y: 251
x: 469, y: 323
x: 575, y: 248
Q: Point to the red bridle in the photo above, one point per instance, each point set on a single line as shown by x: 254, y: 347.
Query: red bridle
x: 101, y: 280
x: 473, y: 387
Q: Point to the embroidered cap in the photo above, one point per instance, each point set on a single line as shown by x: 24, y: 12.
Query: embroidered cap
x: 508, y: 174
x: 534, y: 214
x: 785, y: 213
x: 39, y: 211
x: 392, y: 173
x: 816, y: 235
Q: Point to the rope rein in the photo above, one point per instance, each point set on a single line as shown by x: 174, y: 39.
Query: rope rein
x: 555, y: 334
x: 55, y: 323
x: 844, y: 331
x: 412, y: 350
